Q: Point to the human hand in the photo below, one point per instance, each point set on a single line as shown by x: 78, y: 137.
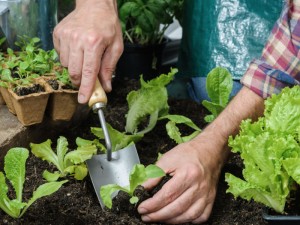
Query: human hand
x: 189, y: 195
x: 89, y: 42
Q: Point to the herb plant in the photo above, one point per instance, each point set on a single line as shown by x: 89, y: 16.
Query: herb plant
x: 270, y: 149
x: 144, y: 22
x: 68, y: 163
x: 138, y: 176
x: 218, y: 86
x: 14, y: 168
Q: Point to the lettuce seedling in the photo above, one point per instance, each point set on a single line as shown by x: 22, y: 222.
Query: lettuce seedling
x: 173, y: 130
x: 14, y: 168
x: 270, y: 149
x: 119, y: 140
x: 138, y: 176
x: 68, y: 163
x: 148, y: 103
x: 218, y: 86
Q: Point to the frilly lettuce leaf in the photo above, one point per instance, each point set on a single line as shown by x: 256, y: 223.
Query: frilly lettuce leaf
x: 270, y: 150
x: 148, y: 103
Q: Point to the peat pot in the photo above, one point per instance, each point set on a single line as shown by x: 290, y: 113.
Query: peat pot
x: 62, y: 102
x: 30, y: 109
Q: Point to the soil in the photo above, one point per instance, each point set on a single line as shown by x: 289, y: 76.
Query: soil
x: 76, y: 201
x: 26, y: 90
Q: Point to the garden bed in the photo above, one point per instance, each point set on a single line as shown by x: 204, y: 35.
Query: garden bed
x: 76, y: 201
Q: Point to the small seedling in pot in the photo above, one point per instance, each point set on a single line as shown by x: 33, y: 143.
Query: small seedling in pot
x: 138, y: 176
x: 14, y: 168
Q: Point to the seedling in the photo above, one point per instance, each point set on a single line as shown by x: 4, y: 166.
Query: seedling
x: 14, y: 168
x: 68, y: 163
x: 138, y: 176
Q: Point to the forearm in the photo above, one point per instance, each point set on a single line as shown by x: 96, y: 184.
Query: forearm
x: 246, y: 104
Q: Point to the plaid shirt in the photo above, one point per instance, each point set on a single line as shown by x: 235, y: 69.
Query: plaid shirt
x: 279, y: 65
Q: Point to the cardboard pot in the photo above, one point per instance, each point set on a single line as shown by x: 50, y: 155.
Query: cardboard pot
x: 62, y: 102
x: 2, y: 102
x: 7, y: 99
x: 30, y: 109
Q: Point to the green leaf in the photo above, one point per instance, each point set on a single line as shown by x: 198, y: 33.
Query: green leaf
x: 119, y: 140
x: 173, y: 130
x: 42, y: 191
x: 51, y: 176
x: 219, y: 85
x: 45, y: 152
x: 153, y: 171
x: 134, y: 200
x: 80, y: 155
x: 106, y: 192
x: 14, y: 167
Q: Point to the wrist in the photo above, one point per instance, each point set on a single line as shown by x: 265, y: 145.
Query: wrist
x: 106, y: 4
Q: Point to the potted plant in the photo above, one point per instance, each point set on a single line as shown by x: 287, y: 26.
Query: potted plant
x: 24, y: 76
x: 143, y: 26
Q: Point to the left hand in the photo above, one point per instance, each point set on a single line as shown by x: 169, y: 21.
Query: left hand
x: 189, y: 195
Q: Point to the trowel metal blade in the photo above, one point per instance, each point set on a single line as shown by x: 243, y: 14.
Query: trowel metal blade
x: 116, y: 171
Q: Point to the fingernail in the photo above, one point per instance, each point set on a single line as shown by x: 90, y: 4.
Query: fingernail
x: 142, y: 210
x: 108, y: 86
x: 81, y: 98
x: 145, y: 218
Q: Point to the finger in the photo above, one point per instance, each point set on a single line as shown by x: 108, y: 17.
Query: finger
x: 198, y: 212
x: 108, y: 64
x: 165, y: 196
x: 90, y: 70
x: 205, y: 215
x: 175, y: 212
x: 75, y: 64
x: 151, y: 183
x: 64, y: 53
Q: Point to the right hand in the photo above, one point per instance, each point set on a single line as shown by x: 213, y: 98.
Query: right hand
x: 89, y: 42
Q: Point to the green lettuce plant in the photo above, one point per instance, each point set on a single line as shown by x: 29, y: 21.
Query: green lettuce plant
x: 148, y: 103
x: 14, y: 169
x: 70, y: 163
x: 270, y: 149
x: 219, y: 85
x: 138, y: 176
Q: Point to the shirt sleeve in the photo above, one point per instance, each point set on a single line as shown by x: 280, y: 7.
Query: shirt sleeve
x: 279, y: 65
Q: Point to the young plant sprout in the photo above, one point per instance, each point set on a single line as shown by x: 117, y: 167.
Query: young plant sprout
x: 138, y: 176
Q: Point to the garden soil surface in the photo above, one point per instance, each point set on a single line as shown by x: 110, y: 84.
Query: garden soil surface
x: 76, y: 201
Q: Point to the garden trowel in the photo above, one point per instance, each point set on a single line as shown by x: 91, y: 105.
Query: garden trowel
x: 112, y: 167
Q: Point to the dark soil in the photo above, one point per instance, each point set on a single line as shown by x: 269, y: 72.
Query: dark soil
x: 76, y: 201
x: 27, y: 90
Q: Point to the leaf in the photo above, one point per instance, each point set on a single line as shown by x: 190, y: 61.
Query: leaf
x: 42, y: 191
x: 219, y: 85
x: 45, y: 152
x: 51, y: 176
x: 106, y: 192
x: 153, y: 171
x: 12, y: 208
x: 80, y: 155
x: 14, y: 167
x: 173, y: 130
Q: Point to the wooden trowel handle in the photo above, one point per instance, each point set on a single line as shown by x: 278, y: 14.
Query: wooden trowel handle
x: 98, y: 96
